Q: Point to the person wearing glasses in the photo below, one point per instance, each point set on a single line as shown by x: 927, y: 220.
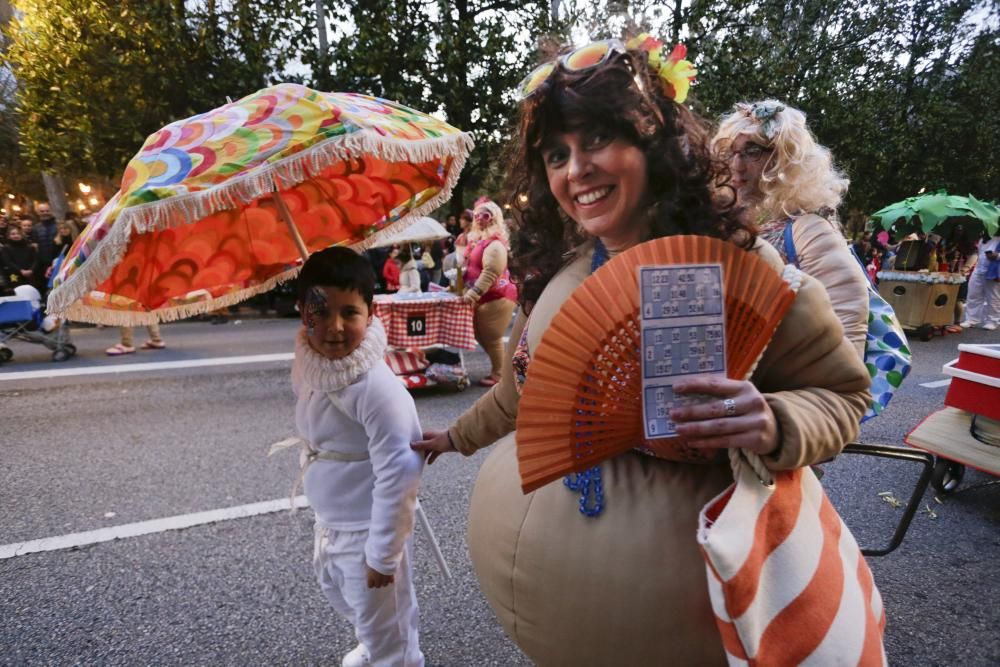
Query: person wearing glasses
x: 608, y: 571
x: 790, y: 189
x: 487, y: 283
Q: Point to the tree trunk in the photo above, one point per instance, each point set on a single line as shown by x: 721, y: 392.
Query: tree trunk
x: 321, y: 29
x: 55, y: 190
x: 676, y: 23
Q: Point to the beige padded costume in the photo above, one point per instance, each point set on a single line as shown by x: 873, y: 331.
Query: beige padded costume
x: 629, y: 587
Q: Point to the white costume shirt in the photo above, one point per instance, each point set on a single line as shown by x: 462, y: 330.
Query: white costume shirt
x: 982, y: 263
x: 352, y: 406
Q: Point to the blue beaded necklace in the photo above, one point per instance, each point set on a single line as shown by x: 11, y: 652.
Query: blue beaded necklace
x: 588, y: 482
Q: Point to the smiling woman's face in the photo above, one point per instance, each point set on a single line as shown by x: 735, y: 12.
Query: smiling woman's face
x: 600, y: 182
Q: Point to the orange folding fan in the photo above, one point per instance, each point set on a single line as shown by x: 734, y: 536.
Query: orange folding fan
x: 582, y: 400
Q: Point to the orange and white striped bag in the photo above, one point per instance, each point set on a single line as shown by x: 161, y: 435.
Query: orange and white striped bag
x: 787, y: 581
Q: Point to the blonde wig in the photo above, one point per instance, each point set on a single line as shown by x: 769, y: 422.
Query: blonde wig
x: 496, y: 227
x: 799, y: 176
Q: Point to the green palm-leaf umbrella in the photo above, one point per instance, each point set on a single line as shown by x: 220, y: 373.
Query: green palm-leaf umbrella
x: 942, y: 214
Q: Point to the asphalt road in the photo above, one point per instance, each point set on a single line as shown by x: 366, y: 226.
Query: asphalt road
x: 83, y: 452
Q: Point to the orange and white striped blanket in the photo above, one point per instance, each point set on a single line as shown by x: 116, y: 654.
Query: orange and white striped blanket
x: 787, y: 581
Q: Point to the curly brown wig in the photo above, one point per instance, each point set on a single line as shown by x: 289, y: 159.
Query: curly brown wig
x: 623, y: 98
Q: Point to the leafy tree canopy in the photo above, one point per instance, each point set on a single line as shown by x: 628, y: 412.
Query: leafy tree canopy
x: 96, y: 77
x: 903, y: 93
x: 458, y: 58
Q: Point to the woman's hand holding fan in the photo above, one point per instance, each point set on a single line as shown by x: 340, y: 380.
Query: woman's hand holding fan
x: 582, y: 400
x: 749, y: 423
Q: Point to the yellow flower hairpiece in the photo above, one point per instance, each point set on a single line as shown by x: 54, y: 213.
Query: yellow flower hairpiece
x: 674, y: 71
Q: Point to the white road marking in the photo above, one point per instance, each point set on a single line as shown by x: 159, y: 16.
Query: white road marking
x: 147, y: 527
x: 936, y: 383
x: 151, y: 366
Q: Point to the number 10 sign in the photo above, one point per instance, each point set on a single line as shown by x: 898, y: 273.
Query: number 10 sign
x: 416, y: 325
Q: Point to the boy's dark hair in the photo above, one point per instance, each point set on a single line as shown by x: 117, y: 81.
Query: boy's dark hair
x: 338, y: 267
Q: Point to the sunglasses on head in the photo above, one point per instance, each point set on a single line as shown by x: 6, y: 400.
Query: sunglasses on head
x: 585, y: 58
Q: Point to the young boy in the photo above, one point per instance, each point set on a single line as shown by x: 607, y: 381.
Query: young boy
x: 361, y: 476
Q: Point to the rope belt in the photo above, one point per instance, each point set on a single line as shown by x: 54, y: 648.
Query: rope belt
x: 329, y: 455
x: 310, y: 454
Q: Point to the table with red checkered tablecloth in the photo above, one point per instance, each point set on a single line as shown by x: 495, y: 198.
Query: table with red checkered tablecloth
x: 442, y: 319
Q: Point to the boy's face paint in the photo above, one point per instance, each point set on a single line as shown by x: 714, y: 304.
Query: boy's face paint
x: 315, y: 307
x: 336, y: 320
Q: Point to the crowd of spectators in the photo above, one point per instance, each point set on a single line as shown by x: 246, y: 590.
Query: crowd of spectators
x: 30, y: 245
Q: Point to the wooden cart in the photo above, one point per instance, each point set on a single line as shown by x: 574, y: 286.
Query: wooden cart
x: 923, y: 302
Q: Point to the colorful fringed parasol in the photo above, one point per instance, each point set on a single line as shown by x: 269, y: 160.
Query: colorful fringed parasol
x: 224, y: 205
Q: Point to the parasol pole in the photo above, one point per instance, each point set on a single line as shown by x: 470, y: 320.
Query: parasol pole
x: 293, y: 230
x: 435, y: 547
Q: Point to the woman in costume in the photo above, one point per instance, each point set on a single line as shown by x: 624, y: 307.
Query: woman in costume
x: 607, y: 157
x: 487, y: 283
x: 785, y: 179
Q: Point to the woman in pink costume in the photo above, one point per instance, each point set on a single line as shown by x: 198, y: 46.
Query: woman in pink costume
x: 488, y: 284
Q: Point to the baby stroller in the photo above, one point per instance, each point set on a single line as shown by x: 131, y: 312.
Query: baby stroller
x: 21, y: 318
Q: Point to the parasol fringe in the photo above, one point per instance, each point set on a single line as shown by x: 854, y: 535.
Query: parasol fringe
x: 283, y: 174
x: 289, y: 172
x: 127, y: 318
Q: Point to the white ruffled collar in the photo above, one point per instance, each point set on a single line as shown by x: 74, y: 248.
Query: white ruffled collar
x: 311, y: 370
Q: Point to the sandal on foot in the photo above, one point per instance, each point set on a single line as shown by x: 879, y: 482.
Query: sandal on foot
x: 118, y: 350
x: 488, y: 381
x: 153, y: 345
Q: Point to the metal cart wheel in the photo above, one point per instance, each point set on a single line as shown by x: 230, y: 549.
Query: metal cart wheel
x: 947, y: 476
x: 64, y: 352
x: 6, y: 354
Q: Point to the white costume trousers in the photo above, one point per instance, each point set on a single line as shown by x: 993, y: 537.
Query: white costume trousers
x: 982, y: 304
x: 384, y: 619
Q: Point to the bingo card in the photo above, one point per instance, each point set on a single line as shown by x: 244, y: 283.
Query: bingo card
x: 682, y: 322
